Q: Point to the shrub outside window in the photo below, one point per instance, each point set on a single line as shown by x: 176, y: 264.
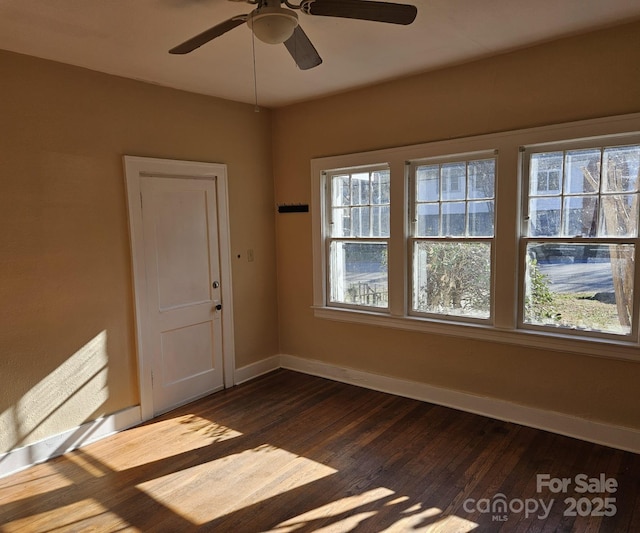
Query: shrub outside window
x: 452, y: 237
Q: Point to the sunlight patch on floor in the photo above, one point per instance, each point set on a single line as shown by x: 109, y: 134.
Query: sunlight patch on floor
x: 348, y: 504
x: 216, y: 488
x: 42, y: 478
x: 196, y: 432
x: 348, y: 513
x: 207, y: 429
x: 450, y: 524
x: 73, y: 517
x: 429, y: 519
x: 349, y: 523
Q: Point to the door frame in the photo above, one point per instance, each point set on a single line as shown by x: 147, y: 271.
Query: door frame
x: 136, y: 168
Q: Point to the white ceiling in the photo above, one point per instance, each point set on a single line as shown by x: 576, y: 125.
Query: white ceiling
x: 131, y: 38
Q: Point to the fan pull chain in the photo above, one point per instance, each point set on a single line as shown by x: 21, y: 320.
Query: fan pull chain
x: 255, y: 77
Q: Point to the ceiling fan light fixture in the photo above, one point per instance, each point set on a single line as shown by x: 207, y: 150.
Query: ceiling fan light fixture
x: 273, y: 25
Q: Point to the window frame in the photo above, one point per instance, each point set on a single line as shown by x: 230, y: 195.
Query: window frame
x: 331, y: 239
x: 413, y: 237
x: 508, y: 268
x: 601, y: 142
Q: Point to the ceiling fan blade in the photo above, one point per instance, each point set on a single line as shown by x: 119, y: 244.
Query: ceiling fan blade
x: 302, y: 50
x: 363, y: 10
x: 208, y: 35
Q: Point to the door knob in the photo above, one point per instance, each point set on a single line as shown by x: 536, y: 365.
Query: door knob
x: 219, y: 307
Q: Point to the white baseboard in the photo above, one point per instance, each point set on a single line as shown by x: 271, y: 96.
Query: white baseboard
x: 38, y: 452
x: 623, y: 438
x: 253, y: 370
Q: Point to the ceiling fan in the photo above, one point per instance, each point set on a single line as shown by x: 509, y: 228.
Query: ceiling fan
x: 274, y: 24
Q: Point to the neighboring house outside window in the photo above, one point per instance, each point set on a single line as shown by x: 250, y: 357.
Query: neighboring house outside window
x: 527, y: 237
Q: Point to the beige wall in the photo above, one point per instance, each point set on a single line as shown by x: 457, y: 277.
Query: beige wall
x: 582, y: 77
x: 66, y: 316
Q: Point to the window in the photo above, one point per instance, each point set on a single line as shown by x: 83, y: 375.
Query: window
x: 527, y: 237
x: 452, y: 230
x: 359, y: 231
x: 580, y: 237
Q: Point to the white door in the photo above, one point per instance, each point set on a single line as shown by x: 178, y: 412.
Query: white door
x: 183, y: 294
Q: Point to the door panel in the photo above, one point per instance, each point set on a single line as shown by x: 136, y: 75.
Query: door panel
x: 181, y: 258
x: 183, y: 248
x: 194, y: 340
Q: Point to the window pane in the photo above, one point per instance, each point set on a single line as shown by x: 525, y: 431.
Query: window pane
x: 453, y: 219
x: 544, y: 217
x: 380, y: 187
x: 580, y: 214
x: 380, y: 222
x: 428, y: 183
x: 358, y: 273
x: 452, y: 278
x: 580, y: 286
x: 360, y: 221
x: 453, y: 183
x: 428, y: 220
x: 544, y: 174
x: 482, y: 178
x: 352, y: 213
x: 360, y: 188
x: 341, y: 226
x: 621, y: 167
x: 480, y: 219
x: 340, y: 191
x: 619, y: 215
x: 582, y: 171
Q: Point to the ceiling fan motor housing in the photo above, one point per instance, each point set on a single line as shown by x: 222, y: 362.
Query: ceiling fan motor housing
x: 272, y: 24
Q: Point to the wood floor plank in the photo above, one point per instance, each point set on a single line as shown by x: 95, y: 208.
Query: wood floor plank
x: 289, y: 452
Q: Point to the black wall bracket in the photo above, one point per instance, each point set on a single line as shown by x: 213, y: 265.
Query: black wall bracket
x: 293, y: 208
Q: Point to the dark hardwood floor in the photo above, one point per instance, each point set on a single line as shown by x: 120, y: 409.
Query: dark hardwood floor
x: 290, y: 452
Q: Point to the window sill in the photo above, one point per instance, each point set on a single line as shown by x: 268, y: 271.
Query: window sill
x: 608, y: 348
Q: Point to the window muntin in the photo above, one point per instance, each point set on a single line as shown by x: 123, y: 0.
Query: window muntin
x: 452, y: 241
x: 580, y: 241
x: 358, y: 232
